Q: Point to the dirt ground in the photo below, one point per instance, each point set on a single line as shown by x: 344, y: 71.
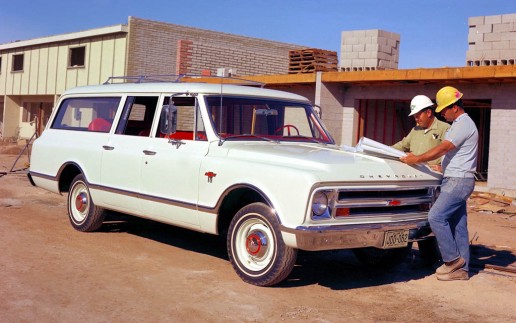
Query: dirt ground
x: 135, y: 270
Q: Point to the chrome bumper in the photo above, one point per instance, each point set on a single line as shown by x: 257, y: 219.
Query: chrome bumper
x: 354, y: 236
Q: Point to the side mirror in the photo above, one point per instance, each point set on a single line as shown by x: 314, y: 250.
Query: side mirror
x: 168, y: 120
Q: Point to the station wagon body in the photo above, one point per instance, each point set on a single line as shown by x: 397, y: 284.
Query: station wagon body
x: 256, y: 166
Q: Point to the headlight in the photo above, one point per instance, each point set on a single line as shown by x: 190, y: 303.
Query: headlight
x: 320, y: 204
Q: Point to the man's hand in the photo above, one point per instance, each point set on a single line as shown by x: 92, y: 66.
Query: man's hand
x: 437, y: 168
x: 410, y: 159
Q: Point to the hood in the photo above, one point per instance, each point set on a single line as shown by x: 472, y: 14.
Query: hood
x: 329, y: 163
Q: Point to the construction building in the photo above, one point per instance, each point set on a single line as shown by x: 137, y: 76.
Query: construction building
x: 371, y: 102
x: 33, y: 73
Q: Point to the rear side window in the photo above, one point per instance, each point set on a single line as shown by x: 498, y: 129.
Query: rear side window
x: 86, y: 114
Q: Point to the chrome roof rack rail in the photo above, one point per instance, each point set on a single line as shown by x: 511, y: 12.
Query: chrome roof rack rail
x: 177, y: 78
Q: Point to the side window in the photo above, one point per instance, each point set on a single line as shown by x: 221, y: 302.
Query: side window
x: 86, y: 114
x: 137, y: 116
x: 189, y: 121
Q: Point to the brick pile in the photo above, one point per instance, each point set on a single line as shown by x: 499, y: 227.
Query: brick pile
x: 365, y: 50
x: 491, y: 40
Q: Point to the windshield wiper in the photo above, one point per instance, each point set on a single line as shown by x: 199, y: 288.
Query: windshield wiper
x: 221, y: 141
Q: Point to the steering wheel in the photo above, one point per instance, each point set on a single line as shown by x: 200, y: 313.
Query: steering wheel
x: 288, y: 127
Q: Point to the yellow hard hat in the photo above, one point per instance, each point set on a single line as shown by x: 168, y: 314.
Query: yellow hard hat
x: 446, y: 96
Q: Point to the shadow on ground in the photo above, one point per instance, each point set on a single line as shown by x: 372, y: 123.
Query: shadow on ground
x: 335, y: 269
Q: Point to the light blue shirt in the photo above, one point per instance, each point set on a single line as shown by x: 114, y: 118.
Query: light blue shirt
x: 461, y: 161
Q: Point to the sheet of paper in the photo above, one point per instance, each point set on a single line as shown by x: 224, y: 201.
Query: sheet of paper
x: 367, y: 145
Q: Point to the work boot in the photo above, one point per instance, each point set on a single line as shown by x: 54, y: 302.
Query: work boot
x: 455, y: 275
x: 451, y: 266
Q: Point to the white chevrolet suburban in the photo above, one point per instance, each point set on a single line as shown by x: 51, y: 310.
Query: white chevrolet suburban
x: 252, y: 164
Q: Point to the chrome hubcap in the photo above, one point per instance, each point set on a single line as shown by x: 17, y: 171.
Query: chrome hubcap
x: 256, y: 243
x: 81, y: 202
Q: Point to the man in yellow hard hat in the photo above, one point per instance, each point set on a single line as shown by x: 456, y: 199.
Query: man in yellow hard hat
x: 428, y: 132
x: 448, y: 215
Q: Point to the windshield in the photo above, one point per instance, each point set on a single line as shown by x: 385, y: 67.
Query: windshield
x: 240, y: 118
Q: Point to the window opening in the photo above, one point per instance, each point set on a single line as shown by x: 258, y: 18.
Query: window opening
x: 18, y: 62
x: 77, y: 56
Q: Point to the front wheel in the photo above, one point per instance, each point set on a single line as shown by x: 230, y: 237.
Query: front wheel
x: 256, y: 249
x: 84, y: 215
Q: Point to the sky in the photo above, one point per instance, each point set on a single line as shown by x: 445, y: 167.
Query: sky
x: 434, y: 33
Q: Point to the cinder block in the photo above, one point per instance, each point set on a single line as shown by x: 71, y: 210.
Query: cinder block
x: 359, y: 33
x: 512, y: 45
x: 350, y: 41
x: 492, y: 54
x: 350, y: 55
x: 385, y: 49
x: 368, y: 55
x: 372, y: 32
x: 493, y: 37
x: 485, y: 46
x: 502, y: 45
x: 493, y: 19
x: 503, y: 28
x: 392, y: 43
x: 507, y: 53
x: 365, y: 40
x: 346, y: 48
x: 508, y: 36
x: 359, y: 47
x: 475, y: 38
x: 371, y: 62
x: 372, y: 47
x: 474, y: 55
x: 473, y: 21
x: 484, y: 29
x: 509, y: 18
x: 379, y: 41
x: 345, y: 62
x: 357, y: 62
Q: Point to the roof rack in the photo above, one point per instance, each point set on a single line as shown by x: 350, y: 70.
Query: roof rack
x: 178, y: 78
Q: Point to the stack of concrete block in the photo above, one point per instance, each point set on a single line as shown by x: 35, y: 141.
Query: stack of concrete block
x: 366, y: 50
x: 492, y: 40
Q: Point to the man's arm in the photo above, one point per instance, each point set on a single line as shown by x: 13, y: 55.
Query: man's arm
x: 403, y: 144
x: 434, y: 153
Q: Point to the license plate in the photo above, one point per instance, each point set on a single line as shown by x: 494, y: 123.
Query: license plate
x: 395, y: 239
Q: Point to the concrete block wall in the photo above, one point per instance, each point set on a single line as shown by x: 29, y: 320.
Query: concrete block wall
x: 491, y: 40
x: 365, y: 50
x: 163, y: 48
x: 501, y: 172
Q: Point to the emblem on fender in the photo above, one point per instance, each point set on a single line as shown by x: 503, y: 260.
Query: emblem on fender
x: 210, y: 176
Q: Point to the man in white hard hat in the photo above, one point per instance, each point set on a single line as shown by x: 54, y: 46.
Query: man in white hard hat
x: 428, y: 132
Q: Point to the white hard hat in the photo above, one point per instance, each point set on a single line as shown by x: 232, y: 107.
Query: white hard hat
x: 418, y: 103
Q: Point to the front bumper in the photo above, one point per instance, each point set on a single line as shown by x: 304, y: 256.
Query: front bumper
x: 354, y: 236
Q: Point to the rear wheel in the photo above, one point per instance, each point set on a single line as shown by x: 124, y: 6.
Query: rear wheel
x: 382, y: 258
x: 255, y: 246
x: 83, y: 213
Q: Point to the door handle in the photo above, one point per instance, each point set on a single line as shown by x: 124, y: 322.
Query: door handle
x: 149, y: 152
x: 108, y: 147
